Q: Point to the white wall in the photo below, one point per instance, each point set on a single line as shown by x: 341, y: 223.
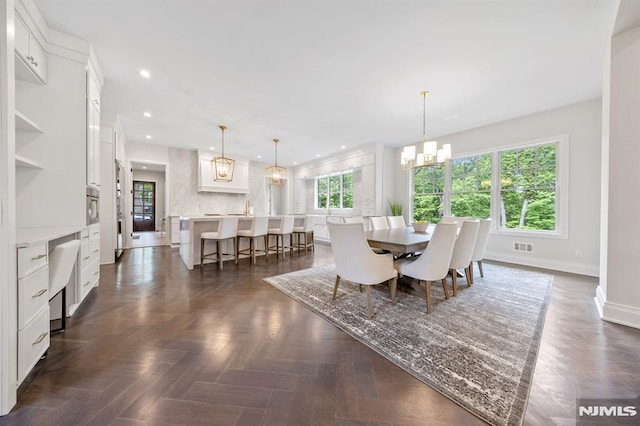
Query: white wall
x: 582, y: 122
x: 147, y: 153
x: 159, y: 179
x: 618, y: 295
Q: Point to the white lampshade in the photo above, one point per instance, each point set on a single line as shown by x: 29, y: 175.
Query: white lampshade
x: 430, y: 148
x: 440, y: 158
x: 446, y: 148
x: 409, y: 153
x: 420, y: 160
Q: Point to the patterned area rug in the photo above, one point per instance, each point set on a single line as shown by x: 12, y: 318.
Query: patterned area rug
x: 478, y: 349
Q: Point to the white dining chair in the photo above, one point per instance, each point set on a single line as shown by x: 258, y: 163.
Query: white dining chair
x: 61, y: 261
x: 480, y: 247
x: 258, y: 228
x: 356, y: 262
x: 284, y: 227
x: 378, y: 223
x: 395, y: 222
x: 227, y: 230
x: 303, y: 231
x: 457, y: 219
x: 462, y: 251
x: 433, y: 263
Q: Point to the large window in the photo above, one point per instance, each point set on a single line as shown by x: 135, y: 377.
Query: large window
x: 335, y: 191
x: 471, y: 186
x: 528, y: 188
x: 428, y: 197
x: 517, y: 187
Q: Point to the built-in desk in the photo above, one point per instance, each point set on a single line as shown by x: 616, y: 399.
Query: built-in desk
x: 33, y: 246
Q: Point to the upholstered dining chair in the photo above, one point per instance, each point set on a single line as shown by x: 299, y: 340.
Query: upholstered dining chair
x: 462, y: 251
x: 285, y: 227
x: 378, y: 222
x: 396, y: 222
x: 258, y: 229
x: 61, y: 261
x: 302, y: 232
x: 356, y: 262
x: 433, y: 263
x: 457, y: 219
x: 480, y: 247
x: 227, y: 230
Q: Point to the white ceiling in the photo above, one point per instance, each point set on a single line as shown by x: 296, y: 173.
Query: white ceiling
x: 326, y: 73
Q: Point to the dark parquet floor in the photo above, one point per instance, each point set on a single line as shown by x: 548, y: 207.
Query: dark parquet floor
x: 158, y: 344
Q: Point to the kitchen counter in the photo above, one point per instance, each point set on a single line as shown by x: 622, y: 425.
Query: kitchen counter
x: 29, y: 236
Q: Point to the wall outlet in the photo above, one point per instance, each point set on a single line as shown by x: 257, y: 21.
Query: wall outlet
x: 578, y: 253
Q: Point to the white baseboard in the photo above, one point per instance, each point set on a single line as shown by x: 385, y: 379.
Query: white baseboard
x: 619, y: 314
x: 536, y: 262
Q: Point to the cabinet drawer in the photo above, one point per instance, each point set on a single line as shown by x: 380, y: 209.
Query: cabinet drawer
x: 94, y: 231
x: 33, y: 342
x: 33, y: 295
x: 85, y: 253
x: 90, y: 276
x: 31, y: 258
x: 94, y: 248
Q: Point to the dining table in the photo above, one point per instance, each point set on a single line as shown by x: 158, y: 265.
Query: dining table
x: 399, y: 241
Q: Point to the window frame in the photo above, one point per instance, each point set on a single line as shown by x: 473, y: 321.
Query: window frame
x: 328, y: 194
x: 562, y: 187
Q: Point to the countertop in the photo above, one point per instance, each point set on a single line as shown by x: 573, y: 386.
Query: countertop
x: 29, y: 236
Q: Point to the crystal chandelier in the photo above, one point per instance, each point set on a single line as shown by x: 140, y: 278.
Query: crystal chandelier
x: 222, y: 167
x: 430, y: 156
x: 276, y: 175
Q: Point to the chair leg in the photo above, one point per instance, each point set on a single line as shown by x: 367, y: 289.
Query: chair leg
x: 201, y: 252
x: 454, y: 282
x: 445, y: 288
x: 335, y: 287
x: 266, y: 249
x: 394, y: 286
x: 235, y: 247
x: 480, y: 268
x: 470, y: 274
x: 290, y: 245
x: 467, y: 271
x: 313, y: 246
x: 369, y: 301
x: 219, y: 254
x: 428, y: 295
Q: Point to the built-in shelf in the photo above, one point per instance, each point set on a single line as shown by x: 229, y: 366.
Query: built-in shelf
x: 27, y: 163
x: 25, y: 124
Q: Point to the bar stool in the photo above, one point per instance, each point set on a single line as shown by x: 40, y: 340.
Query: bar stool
x: 285, y: 227
x: 227, y: 230
x: 259, y: 228
x: 303, y: 230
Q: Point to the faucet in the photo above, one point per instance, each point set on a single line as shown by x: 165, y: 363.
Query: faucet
x: 247, y: 208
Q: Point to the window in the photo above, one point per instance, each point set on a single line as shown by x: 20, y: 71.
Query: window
x: 471, y: 186
x: 428, y: 197
x: 528, y: 188
x: 523, y: 188
x: 335, y: 191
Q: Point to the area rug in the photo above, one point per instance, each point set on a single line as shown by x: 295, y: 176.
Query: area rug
x: 478, y: 348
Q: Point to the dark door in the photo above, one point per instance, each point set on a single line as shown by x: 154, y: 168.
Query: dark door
x: 144, y: 206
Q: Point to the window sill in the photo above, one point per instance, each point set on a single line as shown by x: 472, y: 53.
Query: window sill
x: 530, y: 233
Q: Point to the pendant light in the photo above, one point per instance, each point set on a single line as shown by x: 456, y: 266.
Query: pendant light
x: 431, y: 156
x: 276, y: 175
x: 222, y: 167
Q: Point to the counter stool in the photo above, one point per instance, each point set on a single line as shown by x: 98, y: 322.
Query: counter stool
x: 285, y: 227
x: 259, y: 228
x: 227, y: 230
x: 61, y: 261
x: 303, y: 230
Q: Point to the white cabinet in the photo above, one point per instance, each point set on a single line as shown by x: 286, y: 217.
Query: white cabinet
x: 93, y: 129
x: 24, y: 126
x: 31, y: 60
x: 174, y: 225
x: 89, y: 260
x: 239, y: 184
x: 368, y: 190
x: 33, y: 307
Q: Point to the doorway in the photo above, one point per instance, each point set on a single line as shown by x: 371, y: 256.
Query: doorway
x: 144, y: 206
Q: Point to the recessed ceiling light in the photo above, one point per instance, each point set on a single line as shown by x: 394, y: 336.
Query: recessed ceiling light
x: 343, y: 147
x: 144, y: 167
x: 318, y: 155
x: 148, y: 136
x: 145, y: 73
x: 259, y: 156
x: 211, y: 148
x: 147, y: 114
x: 295, y: 162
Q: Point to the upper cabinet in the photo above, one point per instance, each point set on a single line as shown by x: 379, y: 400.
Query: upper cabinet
x: 239, y: 184
x: 93, y: 129
x: 31, y: 59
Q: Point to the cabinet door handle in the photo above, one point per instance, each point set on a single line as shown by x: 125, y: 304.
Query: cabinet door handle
x: 40, y: 256
x: 86, y: 284
x: 40, y: 339
x: 96, y: 273
x: 32, y: 60
x: 86, y: 258
x: 96, y: 251
x: 40, y: 293
x: 84, y: 238
x: 96, y: 102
